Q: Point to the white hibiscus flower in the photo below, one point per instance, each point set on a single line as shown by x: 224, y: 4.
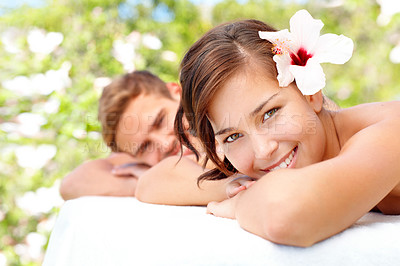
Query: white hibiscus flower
x: 299, y: 53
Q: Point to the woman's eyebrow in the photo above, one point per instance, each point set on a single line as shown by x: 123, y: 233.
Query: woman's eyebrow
x: 223, y: 131
x: 261, y: 106
x: 252, y: 114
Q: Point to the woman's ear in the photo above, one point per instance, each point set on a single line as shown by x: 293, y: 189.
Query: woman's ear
x: 175, y: 90
x: 316, y: 101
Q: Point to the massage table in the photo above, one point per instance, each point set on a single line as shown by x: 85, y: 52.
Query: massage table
x: 124, y: 231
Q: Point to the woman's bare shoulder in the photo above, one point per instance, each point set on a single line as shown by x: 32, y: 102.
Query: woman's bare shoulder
x: 349, y: 121
x: 375, y: 111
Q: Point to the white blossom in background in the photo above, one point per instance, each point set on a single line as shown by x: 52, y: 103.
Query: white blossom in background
x: 52, y: 80
x: 97, y: 11
x: 331, y: 3
x: 8, y: 150
x: 20, y: 85
x: 35, y: 243
x: 45, y: 226
x: 29, y: 123
x: 135, y: 38
x: 394, y: 55
x: 94, y: 135
x: 41, y: 42
x: 35, y: 157
x: 26, y: 124
x: 44, y: 84
x: 124, y: 50
x: 22, y: 251
x: 9, y: 38
x: 51, y: 106
x: 9, y: 127
x: 125, y: 53
x: 3, y: 259
x: 40, y: 201
x: 169, y: 56
x: 151, y: 41
x: 388, y: 9
x: 343, y: 93
x: 79, y: 133
x: 99, y: 84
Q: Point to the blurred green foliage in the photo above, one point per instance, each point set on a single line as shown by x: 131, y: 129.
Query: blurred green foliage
x: 48, y: 98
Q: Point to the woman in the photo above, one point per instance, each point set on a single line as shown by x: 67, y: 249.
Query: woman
x: 318, y: 170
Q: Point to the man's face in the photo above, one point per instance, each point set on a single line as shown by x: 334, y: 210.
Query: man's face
x: 146, y: 128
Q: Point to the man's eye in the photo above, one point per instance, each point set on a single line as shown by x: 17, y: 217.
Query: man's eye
x: 269, y: 114
x: 143, y: 148
x: 233, y: 137
x: 159, y: 121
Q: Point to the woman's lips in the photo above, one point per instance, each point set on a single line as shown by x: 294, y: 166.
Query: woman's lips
x: 288, y: 161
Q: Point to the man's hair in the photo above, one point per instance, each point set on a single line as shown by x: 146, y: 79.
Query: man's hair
x: 117, y: 95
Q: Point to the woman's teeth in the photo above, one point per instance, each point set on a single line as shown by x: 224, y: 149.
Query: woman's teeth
x: 285, y: 163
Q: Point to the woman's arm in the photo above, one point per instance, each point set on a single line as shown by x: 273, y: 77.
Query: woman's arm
x: 303, y: 206
x: 174, y: 182
x: 95, y: 178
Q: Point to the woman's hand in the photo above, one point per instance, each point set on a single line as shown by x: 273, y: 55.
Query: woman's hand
x: 234, y: 189
x: 237, y: 184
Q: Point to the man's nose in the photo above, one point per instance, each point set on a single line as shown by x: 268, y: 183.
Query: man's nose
x: 263, y: 146
x: 164, y: 142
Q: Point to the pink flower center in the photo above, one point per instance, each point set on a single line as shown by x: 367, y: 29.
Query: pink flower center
x: 300, y: 58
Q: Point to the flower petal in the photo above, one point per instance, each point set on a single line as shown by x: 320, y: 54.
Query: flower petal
x: 285, y: 77
x: 335, y: 49
x: 305, y: 30
x: 275, y: 36
x: 309, y: 79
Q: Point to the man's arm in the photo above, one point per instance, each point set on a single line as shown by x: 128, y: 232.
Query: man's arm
x: 174, y: 182
x: 95, y: 178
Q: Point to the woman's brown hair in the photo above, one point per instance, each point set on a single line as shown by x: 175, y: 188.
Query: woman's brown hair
x: 208, y: 64
x: 116, y: 97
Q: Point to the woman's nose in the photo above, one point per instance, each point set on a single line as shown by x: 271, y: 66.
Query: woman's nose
x: 264, y: 146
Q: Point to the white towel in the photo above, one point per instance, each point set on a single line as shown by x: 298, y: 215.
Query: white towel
x: 123, y: 231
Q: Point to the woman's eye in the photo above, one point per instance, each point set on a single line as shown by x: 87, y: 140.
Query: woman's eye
x: 269, y: 113
x: 233, y: 137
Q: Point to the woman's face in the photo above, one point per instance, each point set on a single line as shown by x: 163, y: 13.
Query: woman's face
x: 262, y: 127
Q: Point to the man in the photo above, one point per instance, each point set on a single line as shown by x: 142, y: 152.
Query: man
x: 137, y: 114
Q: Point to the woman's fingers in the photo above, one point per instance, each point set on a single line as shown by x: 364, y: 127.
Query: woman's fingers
x: 233, y: 190
x: 238, y: 184
x: 223, y: 209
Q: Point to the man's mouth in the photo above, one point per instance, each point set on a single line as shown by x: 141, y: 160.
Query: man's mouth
x: 175, y: 149
x: 186, y: 151
x: 287, y: 161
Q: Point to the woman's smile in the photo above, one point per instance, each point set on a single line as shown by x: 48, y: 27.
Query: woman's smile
x: 287, y: 161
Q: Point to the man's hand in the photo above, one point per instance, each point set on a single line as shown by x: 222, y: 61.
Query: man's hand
x: 134, y: 169
x: 97, y: 178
